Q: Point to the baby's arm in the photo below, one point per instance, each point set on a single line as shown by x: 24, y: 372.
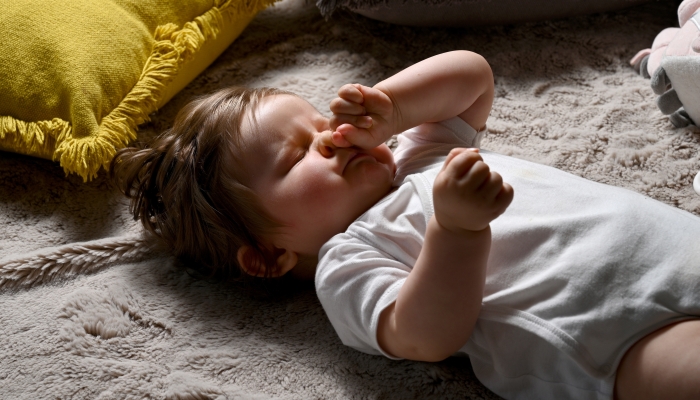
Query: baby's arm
x: 458, y: 83
x: 437, y: 307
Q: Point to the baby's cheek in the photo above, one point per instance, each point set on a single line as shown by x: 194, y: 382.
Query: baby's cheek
x: 325, y: 205
x: 383, y: 154
x: 319, y: 189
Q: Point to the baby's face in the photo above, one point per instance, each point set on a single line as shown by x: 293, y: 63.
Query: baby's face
x: 312, y: 187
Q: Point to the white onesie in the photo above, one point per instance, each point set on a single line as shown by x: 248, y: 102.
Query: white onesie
x: 578, y: 271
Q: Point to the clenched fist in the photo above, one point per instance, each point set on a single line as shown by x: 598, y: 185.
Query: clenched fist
x: 467, y: 194
x: 362, y: 117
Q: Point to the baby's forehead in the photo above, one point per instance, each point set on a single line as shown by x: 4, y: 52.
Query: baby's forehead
x: 288, y: 103
x: 277, y: 113
x: 273, y: 120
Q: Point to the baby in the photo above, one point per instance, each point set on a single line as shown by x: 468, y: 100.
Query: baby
x: 569, y: 289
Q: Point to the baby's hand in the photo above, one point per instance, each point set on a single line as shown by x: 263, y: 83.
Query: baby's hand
x: 466, y: 194
x: 362, y: 117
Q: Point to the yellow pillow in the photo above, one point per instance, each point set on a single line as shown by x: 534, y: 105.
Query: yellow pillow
x: 77, y: 77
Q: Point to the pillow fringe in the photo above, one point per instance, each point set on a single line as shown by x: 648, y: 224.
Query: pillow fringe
x: 84, y: 156
x: 33, y: 138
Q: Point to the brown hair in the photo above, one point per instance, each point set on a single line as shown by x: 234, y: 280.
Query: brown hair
x: 186, y: 190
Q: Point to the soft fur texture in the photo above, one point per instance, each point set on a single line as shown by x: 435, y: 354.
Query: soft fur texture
x: 84, y: 314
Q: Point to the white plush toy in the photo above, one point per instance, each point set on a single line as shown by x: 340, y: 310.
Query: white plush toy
x: 673, y: 64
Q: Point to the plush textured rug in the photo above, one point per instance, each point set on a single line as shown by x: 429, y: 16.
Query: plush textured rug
x: 89, y: 311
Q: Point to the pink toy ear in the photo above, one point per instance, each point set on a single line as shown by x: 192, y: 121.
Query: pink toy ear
x: 639, y: 62
x: 656, y: 53
x: 638, y: 57
x: 686, y: 10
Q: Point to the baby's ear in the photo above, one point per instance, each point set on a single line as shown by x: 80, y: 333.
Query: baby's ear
x: 253, y: 263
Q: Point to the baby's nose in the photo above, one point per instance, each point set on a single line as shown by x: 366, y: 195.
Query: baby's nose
x: 325, y: 144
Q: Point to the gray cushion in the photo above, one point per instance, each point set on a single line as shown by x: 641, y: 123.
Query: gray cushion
x: 470, y: 12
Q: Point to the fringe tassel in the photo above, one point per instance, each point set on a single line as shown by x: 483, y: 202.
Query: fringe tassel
x: 32, y: 138
x: 76, y: 259
x: 173, y: 47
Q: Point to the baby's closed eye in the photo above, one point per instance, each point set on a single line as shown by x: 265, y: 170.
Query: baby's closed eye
x: 300, y: 157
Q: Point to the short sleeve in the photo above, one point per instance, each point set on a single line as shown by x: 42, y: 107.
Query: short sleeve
x: 427, y: 144
x: 355, y: 282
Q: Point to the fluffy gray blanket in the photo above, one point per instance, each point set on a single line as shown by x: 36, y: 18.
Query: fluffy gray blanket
x: 89, y: 311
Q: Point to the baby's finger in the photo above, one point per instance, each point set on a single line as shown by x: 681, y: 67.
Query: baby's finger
x: 342, y: 106
x: 492, y: 186
x: 339, y: 140
x: 363, y: 122
x: 460, y: 161
x: 351, y: 92
x: 361, y: 138
x: 504, y: 197
x: 477, y: 175
x: 375, y: 100
x: 453, y: 153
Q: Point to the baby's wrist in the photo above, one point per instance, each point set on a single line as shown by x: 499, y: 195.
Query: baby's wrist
x: 458, y: 230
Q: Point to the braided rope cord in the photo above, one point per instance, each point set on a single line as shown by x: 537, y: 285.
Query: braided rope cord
x: 75, y: 259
